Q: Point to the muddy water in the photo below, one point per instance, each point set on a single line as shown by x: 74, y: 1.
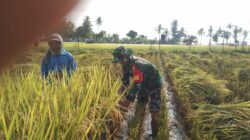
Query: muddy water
x: 145, y: 127
x: 176, y: 128
x: 123, y: 131
x: 146, y: 130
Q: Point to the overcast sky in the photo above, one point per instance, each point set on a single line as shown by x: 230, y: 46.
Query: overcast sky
x: 143, y: 16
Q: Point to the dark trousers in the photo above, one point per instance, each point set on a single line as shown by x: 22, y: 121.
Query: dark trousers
x: 151, y: 95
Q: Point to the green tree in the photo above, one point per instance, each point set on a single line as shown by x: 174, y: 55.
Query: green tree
x: 77, y: 35
x: 174, y: 31
x: 240, y: 34
x: 85, y: 31
x: 159, y: 29
x: 100, y: 36
x: 125, y: 40
x: 243, y: 43
x: 166, y: 33
x: 78, y: 32
x: 132, y: 35
x: 236, y: 31
x: 219, y: 34
x: 99, y: 22
x: 181, y: 34
x: 210, y: 34
x: 190, y: 40
x: 215, y: 38
x: 201, y: 32
x: 142, y: 39
x: 229, y: 27
x: 115, y: 38
x: 227, y: 35
x: 245, y: 34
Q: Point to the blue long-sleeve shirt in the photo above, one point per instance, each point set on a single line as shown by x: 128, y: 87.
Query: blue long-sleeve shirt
x: 58, y: 63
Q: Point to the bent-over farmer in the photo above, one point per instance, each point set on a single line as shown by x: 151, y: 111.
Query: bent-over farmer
x: 146, y: 82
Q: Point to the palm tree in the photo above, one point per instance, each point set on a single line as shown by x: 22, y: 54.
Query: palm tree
x: 181, y: 34
x: 166, y: 33
x: 229, y: 26
x: 189, y: 40
x: 200, y: 33
x: 215, y: 38
x: 159, y: 29
x: 99, y: 22
x: 245, y: 34
x: 240, y: 33
x: 210, y: 33
x: 219, y: 34
x: 235, y: 36
x: 225, y: 35
x: 174, y: 32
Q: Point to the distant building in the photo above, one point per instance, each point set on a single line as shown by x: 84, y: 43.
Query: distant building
x: 89, y: 40
x: 244, y: 43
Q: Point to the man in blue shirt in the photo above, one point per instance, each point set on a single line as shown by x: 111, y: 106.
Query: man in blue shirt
x: 57, y: 59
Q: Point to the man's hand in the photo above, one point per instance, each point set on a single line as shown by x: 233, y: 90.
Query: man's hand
x: 124, y: 103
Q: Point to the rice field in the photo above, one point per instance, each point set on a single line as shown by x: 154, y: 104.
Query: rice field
x: 211, y: 88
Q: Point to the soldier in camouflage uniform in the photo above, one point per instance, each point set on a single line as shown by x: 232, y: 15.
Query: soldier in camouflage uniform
x: 146, y: 82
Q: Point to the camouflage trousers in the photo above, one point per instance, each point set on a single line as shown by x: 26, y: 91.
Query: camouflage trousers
x: 151, y: 95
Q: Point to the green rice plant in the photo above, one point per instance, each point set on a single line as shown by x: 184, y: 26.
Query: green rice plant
x: 83, y: 107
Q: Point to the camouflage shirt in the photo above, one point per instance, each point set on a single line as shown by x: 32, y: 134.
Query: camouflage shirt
x: 144, y: 75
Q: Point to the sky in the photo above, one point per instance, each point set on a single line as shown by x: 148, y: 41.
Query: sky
x: 143, y: 16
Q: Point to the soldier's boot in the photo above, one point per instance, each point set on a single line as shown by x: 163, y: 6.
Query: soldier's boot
x: 154, y: 124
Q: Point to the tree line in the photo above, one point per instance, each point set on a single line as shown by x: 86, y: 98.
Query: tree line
x: 231, y: 35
